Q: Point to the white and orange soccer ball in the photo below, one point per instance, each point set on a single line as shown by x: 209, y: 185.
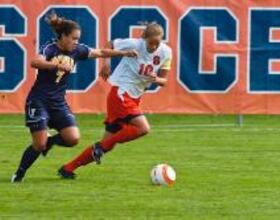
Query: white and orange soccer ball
x: 163, y: 174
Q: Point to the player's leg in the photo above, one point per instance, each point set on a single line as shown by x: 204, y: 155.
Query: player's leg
x: 141, y: 123
x: 68, y: 133
x: 135, y: 127
x: 107, y: 134
x: 36, y: 119
x: 31, y: 153
x: 125, y: 109
x: 121, y: 126
x: 84, y: 158
x: 138, y: 126
x: 67, y: 137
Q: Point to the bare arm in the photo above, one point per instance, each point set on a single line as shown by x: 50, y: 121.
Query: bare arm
x: 95, y: 53
x: 106, y: 67
x: 160, y: 78
x: 39, y: 62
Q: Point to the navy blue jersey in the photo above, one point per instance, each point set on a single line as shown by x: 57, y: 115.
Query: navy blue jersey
x: 51, y: 85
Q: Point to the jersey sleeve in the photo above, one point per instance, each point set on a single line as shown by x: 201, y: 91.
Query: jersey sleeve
x: 83, y: 51
x: 124, y: 44
x: 46, y: 51
x: 166, y: 65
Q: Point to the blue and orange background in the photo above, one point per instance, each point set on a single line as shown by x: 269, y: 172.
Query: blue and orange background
x: 226, y: 53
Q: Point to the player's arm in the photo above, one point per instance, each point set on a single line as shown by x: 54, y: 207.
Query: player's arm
x: 95, y: 53
x: 40, y: 62
x: 161, y: 78
x: 106, y: 67
x: 127, y: 44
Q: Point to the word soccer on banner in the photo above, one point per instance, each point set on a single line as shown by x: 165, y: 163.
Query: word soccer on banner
x: 226, y: 56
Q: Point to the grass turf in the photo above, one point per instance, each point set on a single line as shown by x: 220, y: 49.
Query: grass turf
x: 223, y: 172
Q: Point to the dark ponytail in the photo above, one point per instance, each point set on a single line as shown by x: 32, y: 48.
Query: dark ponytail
x: 61, y: 25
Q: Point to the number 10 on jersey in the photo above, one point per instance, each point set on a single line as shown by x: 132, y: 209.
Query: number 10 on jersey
x: 145, y: 69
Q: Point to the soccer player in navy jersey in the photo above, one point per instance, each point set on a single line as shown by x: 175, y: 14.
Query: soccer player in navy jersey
x: 45, y: 104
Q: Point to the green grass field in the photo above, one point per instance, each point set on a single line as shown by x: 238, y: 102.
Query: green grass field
x: 223, y: 172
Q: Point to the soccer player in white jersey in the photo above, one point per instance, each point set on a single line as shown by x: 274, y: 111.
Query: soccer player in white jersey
x: 125, y: 121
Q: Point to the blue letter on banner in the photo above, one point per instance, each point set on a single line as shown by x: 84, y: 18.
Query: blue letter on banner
x: 189, y: 50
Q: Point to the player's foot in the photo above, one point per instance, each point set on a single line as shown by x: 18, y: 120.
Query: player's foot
x: 66, y: 174
x: 17, y: 178
x: 97, y: 153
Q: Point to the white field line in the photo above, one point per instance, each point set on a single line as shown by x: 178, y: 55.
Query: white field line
x: 12, y: 126
x: 154, y: 126
x: 173, y: 128
x: 192, y: 125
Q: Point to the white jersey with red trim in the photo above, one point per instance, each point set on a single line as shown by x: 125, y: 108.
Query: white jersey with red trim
x: 131, y: 73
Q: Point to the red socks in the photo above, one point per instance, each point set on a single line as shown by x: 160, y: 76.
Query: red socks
x: 83, y: 159
x: 127, y: 133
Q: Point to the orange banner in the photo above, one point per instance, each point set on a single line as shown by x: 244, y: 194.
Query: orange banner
x: 226, y: 56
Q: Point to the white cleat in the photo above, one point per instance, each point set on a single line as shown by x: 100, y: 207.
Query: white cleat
x: 16, y: 179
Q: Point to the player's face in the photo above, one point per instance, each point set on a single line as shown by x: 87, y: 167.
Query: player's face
x: 70, y: 41
x: 153, y: 43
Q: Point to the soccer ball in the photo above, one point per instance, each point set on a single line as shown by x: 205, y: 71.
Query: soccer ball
x: 163, y: 174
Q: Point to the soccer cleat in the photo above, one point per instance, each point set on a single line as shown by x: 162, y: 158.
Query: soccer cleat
x: 66, y: 174
x: 17, y: 178
x: 97, y: 153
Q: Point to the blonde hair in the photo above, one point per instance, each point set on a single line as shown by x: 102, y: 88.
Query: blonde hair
x: 152, y: 29
x: 61, y: 25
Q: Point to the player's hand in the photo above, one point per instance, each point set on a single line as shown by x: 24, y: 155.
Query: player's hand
x: 152, y: 77
x: 105, y: 72
x: 64, y: 67
x: 131, y: 53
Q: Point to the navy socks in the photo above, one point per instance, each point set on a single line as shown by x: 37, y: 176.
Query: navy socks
x: 28, y: 158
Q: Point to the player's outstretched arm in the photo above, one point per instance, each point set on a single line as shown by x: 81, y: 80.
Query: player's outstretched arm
x: 106, y: 66
x: 95, y: 53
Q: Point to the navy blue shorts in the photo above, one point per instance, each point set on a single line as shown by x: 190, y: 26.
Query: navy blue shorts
x: 40, y: 116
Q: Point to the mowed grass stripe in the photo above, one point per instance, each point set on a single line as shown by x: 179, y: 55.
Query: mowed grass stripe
x: 222, y: 173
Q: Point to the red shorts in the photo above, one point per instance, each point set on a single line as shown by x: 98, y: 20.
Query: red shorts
x: 120, y: 109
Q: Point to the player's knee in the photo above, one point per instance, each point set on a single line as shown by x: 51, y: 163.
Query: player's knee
x: 145, y: 130
x: 73, y: 141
